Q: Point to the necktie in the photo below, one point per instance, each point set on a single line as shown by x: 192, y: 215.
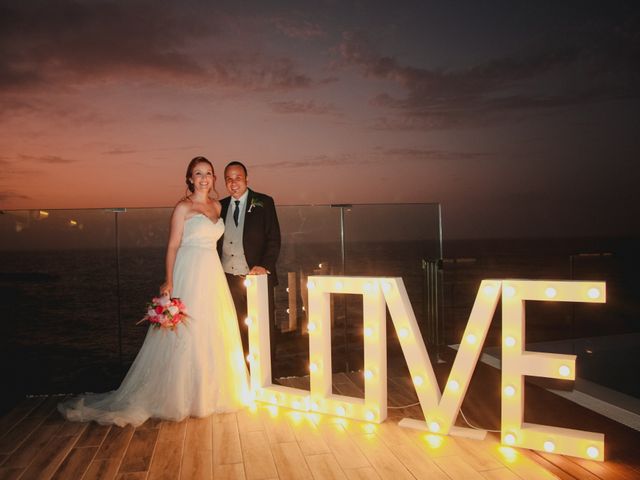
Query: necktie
x: 236, y: 212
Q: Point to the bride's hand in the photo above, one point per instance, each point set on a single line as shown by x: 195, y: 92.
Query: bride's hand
x: 166, y: 288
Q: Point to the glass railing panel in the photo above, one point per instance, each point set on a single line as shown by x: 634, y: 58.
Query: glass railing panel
x: 393, y: 240
x: 58, y: 282
x: 310, y: 246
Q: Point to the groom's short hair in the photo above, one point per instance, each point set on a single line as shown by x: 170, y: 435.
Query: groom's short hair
x: 238, y: 164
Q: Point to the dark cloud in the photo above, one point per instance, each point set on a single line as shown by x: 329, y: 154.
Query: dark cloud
x: 298, y: 29
x: 419, y: 154
x: 588, y: 66
x: 50, y: 159
x: 7, y: 195
x: 68, y: 42
x: 310, y: 107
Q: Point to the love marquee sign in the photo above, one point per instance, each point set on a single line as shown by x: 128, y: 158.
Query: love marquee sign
x: 440, y: 409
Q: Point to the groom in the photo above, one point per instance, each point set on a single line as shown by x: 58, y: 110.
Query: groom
x: 250, y: 244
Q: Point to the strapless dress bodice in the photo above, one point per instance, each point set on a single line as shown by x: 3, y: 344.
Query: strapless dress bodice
x: 201, y: 231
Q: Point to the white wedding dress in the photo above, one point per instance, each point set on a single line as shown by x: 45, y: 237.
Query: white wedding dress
x: 195, y: 370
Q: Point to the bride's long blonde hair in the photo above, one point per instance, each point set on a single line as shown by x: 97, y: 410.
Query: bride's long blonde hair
x: 190, y: 187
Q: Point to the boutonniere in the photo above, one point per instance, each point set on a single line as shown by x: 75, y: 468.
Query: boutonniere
x: 255, y: 203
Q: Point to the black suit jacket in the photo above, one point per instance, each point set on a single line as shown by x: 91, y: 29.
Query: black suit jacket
x: 261, y: 234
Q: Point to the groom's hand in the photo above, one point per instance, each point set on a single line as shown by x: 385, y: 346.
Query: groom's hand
x: 257, y: 270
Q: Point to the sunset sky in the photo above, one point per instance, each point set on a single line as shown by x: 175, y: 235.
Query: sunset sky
x: 520, y: 117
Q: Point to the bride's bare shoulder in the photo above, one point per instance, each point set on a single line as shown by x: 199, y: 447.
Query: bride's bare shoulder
x: 183, y: 207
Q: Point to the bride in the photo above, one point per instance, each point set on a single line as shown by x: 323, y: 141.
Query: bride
x: 198, y: 368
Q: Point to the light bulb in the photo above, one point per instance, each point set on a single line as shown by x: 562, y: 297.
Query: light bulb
x: 418, y: 380
x: 593, y: 452
x: 296, y: 404
x: 366, y: 287
x: 471, y: 338
x: 509, y: 341
x: 338, y: 285
x: 509, y: 291
x: 386, y: 287
x: 247, y: 282
x: 489, y: 290
x: 311, y: 327
x: 593, y: 293
x: 341, y: 411
x: 550, y: 292
x: 368, y: 331
x: 313, y: 367
x: 368, y: 374
x: 403, y: 333
x: 549, y: 446
x: 248, y: 321
x: 454, y: 385
x: 287, y: 289
x: 509, y: 390
x: 369, y: 415
x: 250, y: 358
x: 510, y: 439
x: 564, y: 371
x: 311, y: 285
x: 434, y: 427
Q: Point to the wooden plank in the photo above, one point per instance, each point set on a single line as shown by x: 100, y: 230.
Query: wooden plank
x: 25, y: 454
x: 132, y: 476
x: 499, y: 474
x: 364, y: 473
x: 226, y: 442
x: 381, y: 458
x: 102, y: 469
x: 457, y: 468
x: 276, y: 426
x: 49, y: 458
x: 307, y: 434
x: 290, y: 462
x: 165, y: 463
x: 325, y: 467
x: 94, y: 435
x: 24, y: 428
x: 234, y: 471
x: 258, y: 460
x: 249, y: 420
x: 197, y: 460
x: 137, y: 457
x: 71, y: 429
x: 76, y: 463
x: 116, y: 442
x: 18, y: 413
x: 476, y: 453
x: 342, y: 446
x: 10, y: 473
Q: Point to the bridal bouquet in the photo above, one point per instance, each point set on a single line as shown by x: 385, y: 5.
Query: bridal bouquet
x: 165, y: 312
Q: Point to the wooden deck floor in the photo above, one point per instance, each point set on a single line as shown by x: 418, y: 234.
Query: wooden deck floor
x: 269, y: 443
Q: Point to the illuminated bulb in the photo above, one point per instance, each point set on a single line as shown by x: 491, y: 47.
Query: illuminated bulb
x: 314, y: 406
x: 550, y: 292
x: 434, y: 427
x: 510, y: 439
x: 287, y: 289
x: 310, y: 284
x: 368, y: 374
x: 564, y: 371
x: 386, y: 287
x: 247, y: 282
x: 287, y: 310
x: 248, y: 321
x: 454, y: 385
x: 403, y: 333
x: 338, y: 285
x: 250, y: 358
x: 593, y: 452
x: 273, y: 399
x: 43, y: 214
x: 509, y: 291
x: 366, y: 287
x: 313, y: 367
x: 296, y: 404
x: 418, y: 381
x: 303, y: 309
x: 319, y: 265
x: 489, y: 290
x: 434, y: 441
x: 549, y: 446
x: 471, y: 338
x: 509, y: 390
x: 341, y: 411
x: 509, y: 341
x: 369, y: 415
x: 311, y: 327
x: 593, y: 293
x: 368, y: 331
x: 73, y: 223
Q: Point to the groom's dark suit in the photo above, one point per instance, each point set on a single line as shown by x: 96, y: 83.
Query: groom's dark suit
x: 261, y: 245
